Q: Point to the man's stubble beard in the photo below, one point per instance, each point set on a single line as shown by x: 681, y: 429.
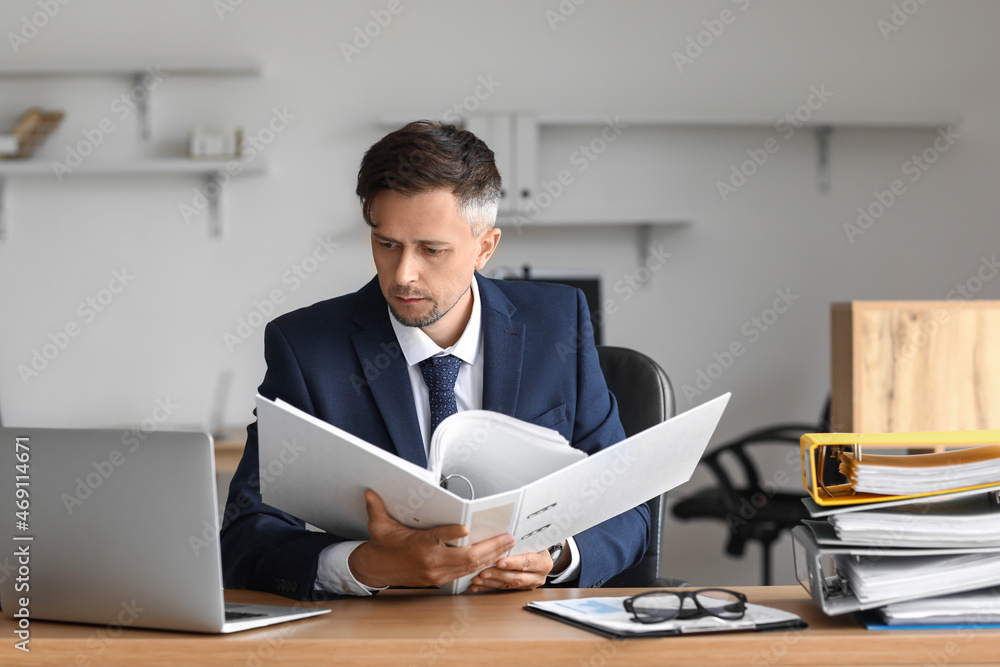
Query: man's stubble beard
x: 430, y: 318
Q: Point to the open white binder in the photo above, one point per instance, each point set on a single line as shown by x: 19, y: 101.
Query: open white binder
x: 318, y: 473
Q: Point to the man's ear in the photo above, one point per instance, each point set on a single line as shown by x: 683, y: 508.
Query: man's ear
x: 488, y: 242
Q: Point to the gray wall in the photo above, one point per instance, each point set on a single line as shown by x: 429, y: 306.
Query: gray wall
x: 162, y: 338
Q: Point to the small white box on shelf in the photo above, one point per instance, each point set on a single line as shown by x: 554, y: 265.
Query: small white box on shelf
x: 214, y: 142
x: 8, y: 144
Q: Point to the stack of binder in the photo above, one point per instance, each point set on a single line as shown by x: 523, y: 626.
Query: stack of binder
x: 912, y: 539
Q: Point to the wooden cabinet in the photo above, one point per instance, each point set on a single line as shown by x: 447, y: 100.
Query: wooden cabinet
x: 901, y: 366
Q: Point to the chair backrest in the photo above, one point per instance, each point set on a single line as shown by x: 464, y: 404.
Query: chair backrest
x: 645, y: 398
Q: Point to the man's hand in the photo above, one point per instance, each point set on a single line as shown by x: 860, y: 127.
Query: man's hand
x: 400, y: 556
x: 524, y: 572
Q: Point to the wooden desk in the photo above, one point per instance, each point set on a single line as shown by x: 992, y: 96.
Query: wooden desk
x: 424, y: 628
x: 229, y: 449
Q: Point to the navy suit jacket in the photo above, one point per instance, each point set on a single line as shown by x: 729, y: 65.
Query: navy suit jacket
x: 339, y: 360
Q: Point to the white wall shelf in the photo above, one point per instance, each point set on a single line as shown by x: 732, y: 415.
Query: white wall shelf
x: 123, y: 66
x: 211, y: 171
x: 859, y: 120
x: 822, y: 127
x: 514, y: 224
x: 137, y: 70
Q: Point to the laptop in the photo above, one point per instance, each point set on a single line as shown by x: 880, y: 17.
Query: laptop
x: 117, y: 528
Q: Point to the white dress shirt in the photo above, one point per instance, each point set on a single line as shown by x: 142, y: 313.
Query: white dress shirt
x: 334, y: 575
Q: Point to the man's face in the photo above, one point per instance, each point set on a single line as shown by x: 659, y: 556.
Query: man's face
x: 425, y: 255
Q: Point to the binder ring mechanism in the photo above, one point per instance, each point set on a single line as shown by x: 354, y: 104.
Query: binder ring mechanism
x: 446, y: 480
x: 834, y: 452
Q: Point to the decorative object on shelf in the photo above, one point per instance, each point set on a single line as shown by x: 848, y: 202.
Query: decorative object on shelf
x: 31, y: 129
x: 215, y: 142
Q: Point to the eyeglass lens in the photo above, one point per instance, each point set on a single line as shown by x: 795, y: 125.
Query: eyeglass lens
x: 667, y: 605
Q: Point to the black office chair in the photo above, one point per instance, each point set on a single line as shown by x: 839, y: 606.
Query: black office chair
x: 645, y: 398
x: 752, y: 510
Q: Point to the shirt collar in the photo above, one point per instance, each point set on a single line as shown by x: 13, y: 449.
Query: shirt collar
x: 417, y: 346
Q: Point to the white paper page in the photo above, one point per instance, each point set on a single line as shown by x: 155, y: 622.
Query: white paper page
x: 318, y: 473
x: 496, y: 452
x: 972, y: 520
x: 615, y: 479
x: 885, y: 578
x: 981, y: 605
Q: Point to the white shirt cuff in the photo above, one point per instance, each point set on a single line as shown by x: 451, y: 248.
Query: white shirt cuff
x: 572, y: 570
x: 333, y: 574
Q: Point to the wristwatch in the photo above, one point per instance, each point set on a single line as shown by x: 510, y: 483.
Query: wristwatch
x: 555, y: 553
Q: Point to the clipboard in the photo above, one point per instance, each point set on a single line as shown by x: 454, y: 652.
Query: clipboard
x: 818, y: 449
x: 757, y: 619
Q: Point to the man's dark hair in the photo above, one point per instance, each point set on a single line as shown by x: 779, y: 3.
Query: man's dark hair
x: 426, y: 155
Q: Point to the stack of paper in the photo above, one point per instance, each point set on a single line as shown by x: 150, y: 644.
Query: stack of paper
x: 923, y: 473
x: 876, y: 578
x: 974, y: 608
x: 964, y: 521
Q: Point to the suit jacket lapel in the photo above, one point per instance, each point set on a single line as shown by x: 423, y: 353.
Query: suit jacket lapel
x: 503, y: 347
x: 387, y: 375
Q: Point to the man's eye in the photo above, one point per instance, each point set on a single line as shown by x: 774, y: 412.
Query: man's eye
x: 386, y: 244
x: 433, y: 251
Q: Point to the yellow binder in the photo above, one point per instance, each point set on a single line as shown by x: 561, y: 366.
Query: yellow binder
x: 818, y: 449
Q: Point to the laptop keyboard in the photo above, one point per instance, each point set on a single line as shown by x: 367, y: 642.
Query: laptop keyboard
x: 241, y: 615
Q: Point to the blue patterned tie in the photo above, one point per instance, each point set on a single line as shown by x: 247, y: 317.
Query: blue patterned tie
x: 440, y: 374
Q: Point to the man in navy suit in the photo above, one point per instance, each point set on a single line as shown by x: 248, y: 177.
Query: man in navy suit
x: 364, y: 362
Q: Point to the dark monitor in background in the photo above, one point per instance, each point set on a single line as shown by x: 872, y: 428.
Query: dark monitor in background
x: 588, y: 283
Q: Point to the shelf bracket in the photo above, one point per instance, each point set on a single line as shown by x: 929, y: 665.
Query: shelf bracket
x: 644, y: 237
x: 823, y: 133
x: 145, y: 130
x: 3, y: 211
x: 213, y: 193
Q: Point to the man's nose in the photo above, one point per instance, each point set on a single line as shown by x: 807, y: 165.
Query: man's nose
x: 407, y: 269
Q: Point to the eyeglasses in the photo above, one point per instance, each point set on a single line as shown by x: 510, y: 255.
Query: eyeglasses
x: 658, y: 606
